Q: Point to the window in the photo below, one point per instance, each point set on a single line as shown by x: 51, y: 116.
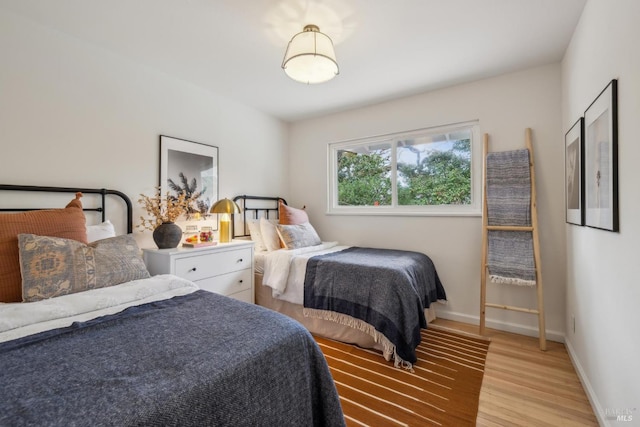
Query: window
x: 434, y: 171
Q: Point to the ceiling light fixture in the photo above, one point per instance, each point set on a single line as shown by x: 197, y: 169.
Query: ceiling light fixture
x: 310, y: 57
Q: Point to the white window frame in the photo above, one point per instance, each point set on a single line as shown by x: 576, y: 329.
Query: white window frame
x: 472, y: 209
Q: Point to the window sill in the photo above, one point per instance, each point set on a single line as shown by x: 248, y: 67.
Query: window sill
x: 396, y: 213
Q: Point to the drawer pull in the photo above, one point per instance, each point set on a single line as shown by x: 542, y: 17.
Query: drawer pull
x: 240, y: 281
x: 240, y: 260
x: 192, y: 269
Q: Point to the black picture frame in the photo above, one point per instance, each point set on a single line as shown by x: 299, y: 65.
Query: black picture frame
x: 574, y: 173
x: 601, y: 160
x: 193, y: 160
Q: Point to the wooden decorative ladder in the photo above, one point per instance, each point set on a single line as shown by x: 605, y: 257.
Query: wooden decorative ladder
x: 533, y: 228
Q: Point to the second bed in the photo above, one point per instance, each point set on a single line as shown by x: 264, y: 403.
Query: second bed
x: 374, y: 298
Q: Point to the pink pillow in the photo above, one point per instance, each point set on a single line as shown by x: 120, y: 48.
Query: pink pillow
x: 291, y: 216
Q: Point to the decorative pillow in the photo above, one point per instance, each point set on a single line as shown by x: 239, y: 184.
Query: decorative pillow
x: 69, y: 223
x: 298, y: 235
x: 256, y: 236
x: 270, y: 236
x: 100, y: 231
x: 53, y: 266
x: 291, y: 216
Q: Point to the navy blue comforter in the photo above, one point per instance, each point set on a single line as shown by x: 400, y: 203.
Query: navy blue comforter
x: 388, y: 289
x: 195, y: 360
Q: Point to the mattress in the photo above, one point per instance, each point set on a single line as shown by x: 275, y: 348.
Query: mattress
x: 320, y: 327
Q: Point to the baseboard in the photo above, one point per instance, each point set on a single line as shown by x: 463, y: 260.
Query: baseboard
x: 591, y: 395
x: 501, y: 326
x: 459, y: 332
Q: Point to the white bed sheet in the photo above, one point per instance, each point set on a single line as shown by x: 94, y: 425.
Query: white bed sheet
x: 21, y: 319
x: 284, y: 270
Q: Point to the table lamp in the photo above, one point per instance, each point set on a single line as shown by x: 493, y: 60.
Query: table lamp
x: 226, y: 208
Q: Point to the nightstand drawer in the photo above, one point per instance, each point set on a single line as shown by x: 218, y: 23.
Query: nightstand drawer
x: 226, y: 268
x: 227, y: 284
x: 203, y: 266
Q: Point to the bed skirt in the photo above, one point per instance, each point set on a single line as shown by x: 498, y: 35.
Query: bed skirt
x: 322, y: 327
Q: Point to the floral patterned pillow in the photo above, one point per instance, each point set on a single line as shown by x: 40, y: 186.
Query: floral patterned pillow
x: 53, y: 266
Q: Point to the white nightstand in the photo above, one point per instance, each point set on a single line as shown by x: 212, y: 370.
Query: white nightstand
x: 226, y: 268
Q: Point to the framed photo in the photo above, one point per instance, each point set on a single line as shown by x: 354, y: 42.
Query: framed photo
x: 601, y: 160
x: 574, y: 173
x: 191, y: 167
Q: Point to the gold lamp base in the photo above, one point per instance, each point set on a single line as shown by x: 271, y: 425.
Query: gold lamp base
x: 225, y: 229
x: 225, y: 208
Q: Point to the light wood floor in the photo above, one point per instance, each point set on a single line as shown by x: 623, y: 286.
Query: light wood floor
x: 524, y: 386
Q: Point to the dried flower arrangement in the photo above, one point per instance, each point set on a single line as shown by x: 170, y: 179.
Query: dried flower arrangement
x: 163, y: 208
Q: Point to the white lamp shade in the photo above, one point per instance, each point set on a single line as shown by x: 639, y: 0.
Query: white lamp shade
x: 310, y: 57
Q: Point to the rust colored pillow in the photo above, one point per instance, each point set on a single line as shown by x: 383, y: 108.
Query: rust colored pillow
x: 291, y: 216
x: 68, y: 223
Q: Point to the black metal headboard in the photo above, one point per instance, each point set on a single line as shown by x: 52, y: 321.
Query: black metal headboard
x: 255, y: 205
x: 103, y: 192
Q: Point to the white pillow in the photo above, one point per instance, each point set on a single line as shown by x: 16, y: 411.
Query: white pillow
x: 270, y: 236
x: 100, y: 231
x: 298, y: 235
x: 256, y: 236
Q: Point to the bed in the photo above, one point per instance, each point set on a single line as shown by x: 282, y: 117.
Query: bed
x: 374, y: 298
x: 113, y: 346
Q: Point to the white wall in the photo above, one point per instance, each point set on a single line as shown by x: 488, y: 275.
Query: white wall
x: 603, y: 291
x: 505, y: 106
x: 72, y: 114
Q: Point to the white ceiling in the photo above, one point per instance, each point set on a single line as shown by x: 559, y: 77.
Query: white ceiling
x: 385, y: 48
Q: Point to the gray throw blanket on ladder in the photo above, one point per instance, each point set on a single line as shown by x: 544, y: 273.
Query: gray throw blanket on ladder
x: 510, y: 253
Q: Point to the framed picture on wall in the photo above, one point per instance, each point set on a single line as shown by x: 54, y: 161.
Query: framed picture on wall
x: 574, y: 173
x: 191, y: 167
x: 601, y: 160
